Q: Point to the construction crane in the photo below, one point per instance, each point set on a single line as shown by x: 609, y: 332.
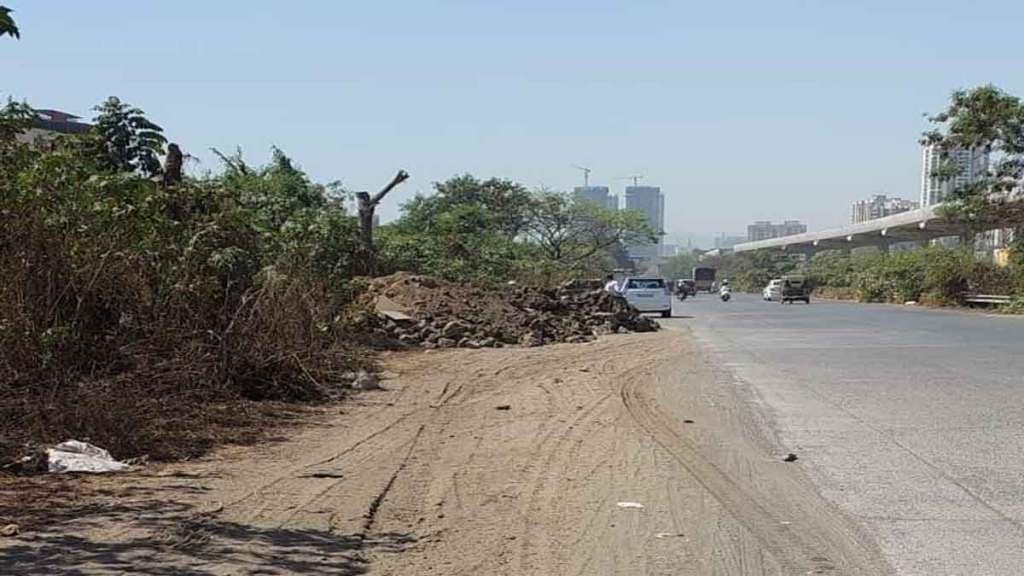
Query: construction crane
x: 586, y: 175
x: 635, y: 178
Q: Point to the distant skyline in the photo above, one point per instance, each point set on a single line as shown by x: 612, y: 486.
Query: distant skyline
x: 739, y: 111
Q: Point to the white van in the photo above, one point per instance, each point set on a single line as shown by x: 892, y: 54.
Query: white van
x: 648, y: 295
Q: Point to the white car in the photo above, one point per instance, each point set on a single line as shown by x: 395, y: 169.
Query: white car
x: 773, y: 291
x: 648, y: 295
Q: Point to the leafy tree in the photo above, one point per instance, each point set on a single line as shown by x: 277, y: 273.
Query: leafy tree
x: 7, y: 25
x: 990, y: 120
x: 679, y: 266
x: 132, y: 142
x: 504, y: 201
x: 575, y: 236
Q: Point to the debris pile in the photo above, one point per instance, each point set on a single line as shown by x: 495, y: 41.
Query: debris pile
x: 423, y: 311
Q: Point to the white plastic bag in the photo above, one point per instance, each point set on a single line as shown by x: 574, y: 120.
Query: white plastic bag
x: 77, y: 456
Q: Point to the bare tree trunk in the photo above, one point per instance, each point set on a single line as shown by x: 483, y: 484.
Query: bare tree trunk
x: 366, y: 260
x: 172, y: 165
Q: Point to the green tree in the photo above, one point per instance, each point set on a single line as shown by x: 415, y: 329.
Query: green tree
x: 679, y: 266
x: 7, y: 25
x: 990, y: 120
x: 132, y: 142
x: 576, y: 236
x: 504, y: 200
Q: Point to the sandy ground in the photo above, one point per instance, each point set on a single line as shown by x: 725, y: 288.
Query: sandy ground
x: 504, y: 461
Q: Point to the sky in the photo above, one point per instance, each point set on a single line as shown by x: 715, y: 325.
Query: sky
x: 740, y: 111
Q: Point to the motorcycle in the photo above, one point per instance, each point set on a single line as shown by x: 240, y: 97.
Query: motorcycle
x: 725, y: 293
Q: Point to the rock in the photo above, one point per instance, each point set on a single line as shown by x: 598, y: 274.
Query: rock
x: 366, y: 381
x: 503, y: 407
x: 469, y: 343
x: 428, y: 345
x: 408, y: 339
x: 455, y: 329
x: 489, y: 342
x: 790, y: 458
x: 9, y: 530
x: 530, y: 339
x: 446, y: 343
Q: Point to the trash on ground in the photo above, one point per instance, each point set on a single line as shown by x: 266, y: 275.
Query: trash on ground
x: 790, y: 458
x: 503, y: 407
x: 630, y: 505
x: 669, y: 535
x: 77, y: 456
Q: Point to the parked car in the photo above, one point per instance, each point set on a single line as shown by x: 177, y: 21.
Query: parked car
x: 773, y: 291
x: 648, y: 294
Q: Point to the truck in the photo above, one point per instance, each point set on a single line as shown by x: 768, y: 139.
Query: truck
x: 704, y: 278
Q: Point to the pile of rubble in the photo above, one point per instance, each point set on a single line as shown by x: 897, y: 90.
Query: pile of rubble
x: 424, y: 311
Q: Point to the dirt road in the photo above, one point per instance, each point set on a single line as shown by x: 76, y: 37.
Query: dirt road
x: 505, y: 461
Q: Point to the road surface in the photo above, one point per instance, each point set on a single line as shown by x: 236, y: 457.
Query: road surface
x: 911, y: 420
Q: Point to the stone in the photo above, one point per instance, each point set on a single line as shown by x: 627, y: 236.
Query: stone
x: 454, y: 329
x: 530, y: 339
x: 446, y: 343
x: 366, y: 381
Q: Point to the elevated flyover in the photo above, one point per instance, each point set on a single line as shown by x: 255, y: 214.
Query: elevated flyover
x: 914, y: 226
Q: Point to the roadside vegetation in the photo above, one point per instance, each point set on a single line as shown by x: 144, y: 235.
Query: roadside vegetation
x: 151, y: 312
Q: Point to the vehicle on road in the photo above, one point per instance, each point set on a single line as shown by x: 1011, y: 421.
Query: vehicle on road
x: 685, y: 288
x: 773, y: 291
x: 648, y: 294
x: 704, y: 279
x: 795, y: 288
x: 725, y: 293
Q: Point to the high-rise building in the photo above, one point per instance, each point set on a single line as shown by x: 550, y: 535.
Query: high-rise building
x: 880, y: 206
x: 598, y: 195
x: 765, y: 230
x: 971, y: 164
x: 649, y: 201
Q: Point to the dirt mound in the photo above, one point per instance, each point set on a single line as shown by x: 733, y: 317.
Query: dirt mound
x: 432, y: 313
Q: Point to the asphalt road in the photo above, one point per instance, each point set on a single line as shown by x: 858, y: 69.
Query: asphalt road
x: 911, y: 420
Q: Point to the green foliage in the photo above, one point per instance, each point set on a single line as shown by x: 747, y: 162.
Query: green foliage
x: 7, y: 25
x: 934, y: 274
x: 751, y: 271
x: 495, y: 230
x: 574, y: 237
x: 831, y: 268
x: 234, y: 285
x: 132, y: 143
x: 679, y: 266
x: 990, y: 120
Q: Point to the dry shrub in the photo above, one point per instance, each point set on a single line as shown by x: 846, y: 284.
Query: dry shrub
x: 148, y: 320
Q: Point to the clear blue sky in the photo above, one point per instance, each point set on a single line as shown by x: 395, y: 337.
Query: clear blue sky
x: 739, y: 110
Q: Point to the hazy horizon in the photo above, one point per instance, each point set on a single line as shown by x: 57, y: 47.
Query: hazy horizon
x: 739, y: 113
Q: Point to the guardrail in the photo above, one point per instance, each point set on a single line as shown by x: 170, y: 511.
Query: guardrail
x: 993, y: 299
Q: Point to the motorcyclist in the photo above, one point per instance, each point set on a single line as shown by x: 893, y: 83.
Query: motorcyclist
x: 725, y: 292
